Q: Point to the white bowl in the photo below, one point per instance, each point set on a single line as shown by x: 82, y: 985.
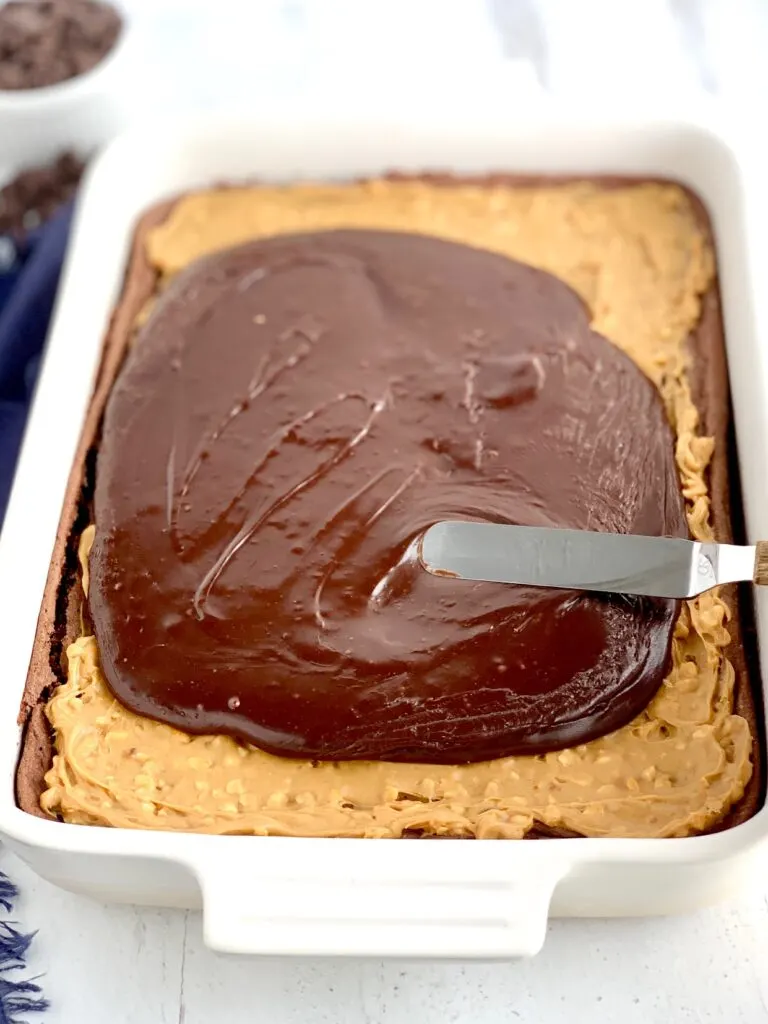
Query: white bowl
x: 357, y: 897
x: 80, y: 114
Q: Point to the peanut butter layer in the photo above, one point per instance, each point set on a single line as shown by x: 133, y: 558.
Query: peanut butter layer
x: 638, y: 258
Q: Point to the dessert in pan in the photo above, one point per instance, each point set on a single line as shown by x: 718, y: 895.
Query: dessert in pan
x: 297, y: 382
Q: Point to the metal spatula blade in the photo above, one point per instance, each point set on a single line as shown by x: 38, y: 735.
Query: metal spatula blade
x: 584, y: 560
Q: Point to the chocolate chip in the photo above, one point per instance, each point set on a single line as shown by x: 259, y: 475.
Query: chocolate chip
x: 43, y: 42
x: 35, y: 194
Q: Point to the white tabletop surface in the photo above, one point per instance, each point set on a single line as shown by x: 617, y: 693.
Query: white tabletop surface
x: 126, y: 965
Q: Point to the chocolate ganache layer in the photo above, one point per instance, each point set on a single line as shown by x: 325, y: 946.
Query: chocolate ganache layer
x: 292, y: 417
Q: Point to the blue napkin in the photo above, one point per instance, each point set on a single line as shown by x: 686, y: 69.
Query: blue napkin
x: 29, y: 277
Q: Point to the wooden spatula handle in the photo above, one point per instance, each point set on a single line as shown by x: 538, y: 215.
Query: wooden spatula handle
x: 761, y: 562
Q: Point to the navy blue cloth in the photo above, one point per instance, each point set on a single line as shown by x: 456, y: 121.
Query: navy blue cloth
x: 29, y: 277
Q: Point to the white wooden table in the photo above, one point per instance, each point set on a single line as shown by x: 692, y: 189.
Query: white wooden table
x: 124, y: 965
x: 135, y: 966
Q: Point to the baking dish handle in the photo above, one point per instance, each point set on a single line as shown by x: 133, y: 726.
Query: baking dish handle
x: 247, y: 910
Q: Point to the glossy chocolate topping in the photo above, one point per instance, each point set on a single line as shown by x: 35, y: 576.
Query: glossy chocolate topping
x: 293, y: 415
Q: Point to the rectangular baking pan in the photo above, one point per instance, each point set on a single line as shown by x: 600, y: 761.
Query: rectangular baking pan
x: 451, y: 898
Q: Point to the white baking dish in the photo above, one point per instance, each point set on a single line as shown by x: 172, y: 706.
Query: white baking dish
x: 357, y: 897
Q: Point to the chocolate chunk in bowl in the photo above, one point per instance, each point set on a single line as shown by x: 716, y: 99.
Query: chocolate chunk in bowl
x: 45, y: 42
x: 35, y: 194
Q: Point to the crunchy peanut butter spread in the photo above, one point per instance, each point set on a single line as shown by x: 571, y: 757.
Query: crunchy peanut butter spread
x: 638, y: 258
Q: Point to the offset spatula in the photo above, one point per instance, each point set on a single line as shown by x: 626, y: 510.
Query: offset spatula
x: 582, y: 560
